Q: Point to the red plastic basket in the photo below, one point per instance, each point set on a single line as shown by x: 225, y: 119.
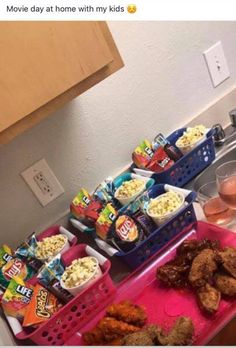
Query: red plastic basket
x: 76, y: 313
x: 165, y: 305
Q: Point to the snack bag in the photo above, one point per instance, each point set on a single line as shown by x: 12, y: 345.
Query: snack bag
x: 26, y: 252
x: 6, y: 255
x: 80, y: 203
x: 105, y: 191
x: 143, y: 154
x: 16, y: 298
x: 41, y: 307
x: 160, y: 161
x: 126, y: 233
x: 15, y: 267
x: 50, y: 276
x: 93, y: 210
x: 105, y: 220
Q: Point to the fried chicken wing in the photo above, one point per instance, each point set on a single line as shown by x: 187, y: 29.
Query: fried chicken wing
x: 208, y: 298
x: 227, y: 258
x: 128, y: 312
x: 225, y: 284
x: 192, y: 247
x: 180, y: 335
x: 175, y: 272
x: 203, y: 267
x: 113, y: 329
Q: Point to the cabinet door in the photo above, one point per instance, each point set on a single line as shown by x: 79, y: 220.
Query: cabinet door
x: 41, y: 60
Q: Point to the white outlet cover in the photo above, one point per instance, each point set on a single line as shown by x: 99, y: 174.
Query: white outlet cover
x: 217, y: 64
x: 43, y: 182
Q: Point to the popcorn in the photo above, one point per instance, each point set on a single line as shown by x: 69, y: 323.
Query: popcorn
x: 167, y: 203
x: 130, y: 188
x: 80, y: 271
x: 50, y: 246
x: 191, y: 136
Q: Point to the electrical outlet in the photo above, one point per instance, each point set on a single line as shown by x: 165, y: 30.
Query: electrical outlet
x: 43, y: 182
x: 217, y: 64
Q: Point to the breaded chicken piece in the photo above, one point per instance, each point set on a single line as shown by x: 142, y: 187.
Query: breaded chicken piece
x: 192, y: 247
x: 113, y: 329
x: 203, y: 267
x: 128, y: 312
x: 175, y: 272
x: 225, y: 284
x: 93, y: 337
x: 208, y: 298
x: 180, y: 335
x: 227, y: 258
x: 144, y: 337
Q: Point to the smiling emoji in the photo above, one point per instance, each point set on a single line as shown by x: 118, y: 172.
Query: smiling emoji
x: 132, y: 8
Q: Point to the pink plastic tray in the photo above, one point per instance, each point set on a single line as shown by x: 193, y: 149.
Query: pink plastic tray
x: 82, y: 308
x: 164, y: 305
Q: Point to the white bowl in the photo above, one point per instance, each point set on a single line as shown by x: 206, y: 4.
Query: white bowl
x: 125, y: 201
x: 65, y: 247
x: 77, y: 289
x: 188, y: 148
x: 161, y: 220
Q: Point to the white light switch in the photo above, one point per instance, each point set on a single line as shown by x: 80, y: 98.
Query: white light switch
x: 217, y: 64
x: 43, y: 182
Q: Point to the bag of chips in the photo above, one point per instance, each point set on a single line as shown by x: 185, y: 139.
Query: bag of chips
x: 80, y: 203
x: 50, y: 276
x: 26, y: 252
x: 143, y: 154
x: 41, y: 307
x: 105, y: 220
x: 15, y: 267
x: 16, y: 298
x: 6, y: 255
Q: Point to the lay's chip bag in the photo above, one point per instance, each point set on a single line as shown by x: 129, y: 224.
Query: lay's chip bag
x: 15, y: 267
x: 16, y: 298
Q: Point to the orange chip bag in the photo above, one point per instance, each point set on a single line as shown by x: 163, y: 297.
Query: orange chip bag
x: 41, y: 307
x: 17, y: 297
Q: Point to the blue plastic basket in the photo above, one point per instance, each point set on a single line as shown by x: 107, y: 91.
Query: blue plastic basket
x: 191, y: 164
x: 163, y: 235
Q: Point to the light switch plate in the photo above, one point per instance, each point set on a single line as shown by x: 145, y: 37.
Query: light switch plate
x: 217, y: 64
x: 43, y: 182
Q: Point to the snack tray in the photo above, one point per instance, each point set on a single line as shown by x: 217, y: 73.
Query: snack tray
x: 158, y: 239
x: 188, y: 166
x: 165, y: 305
x: 73, y: 315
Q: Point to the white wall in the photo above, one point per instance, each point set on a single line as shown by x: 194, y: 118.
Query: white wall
x: 164, y: 83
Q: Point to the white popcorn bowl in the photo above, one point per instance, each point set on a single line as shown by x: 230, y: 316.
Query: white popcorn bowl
x: 188, y: 148
x: 161, y: 220
x: 61, y: 251
x: 77, y: 289
x: 125, y: 201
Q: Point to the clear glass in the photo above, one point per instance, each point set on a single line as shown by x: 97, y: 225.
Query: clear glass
x: 215, y: 210
x: 226, y: 183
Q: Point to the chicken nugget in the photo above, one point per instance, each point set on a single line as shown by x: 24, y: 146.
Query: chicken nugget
x: 128, y: 312
x: 180, y: 335
x: 93, y: 337
x: 227, y: 258
x: 208, y: 298
x: 225, y: 284
x: 145, y: 337
x: 203, y: 267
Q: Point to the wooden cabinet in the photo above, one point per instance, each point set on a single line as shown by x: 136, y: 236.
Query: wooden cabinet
x: 43, y: 65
